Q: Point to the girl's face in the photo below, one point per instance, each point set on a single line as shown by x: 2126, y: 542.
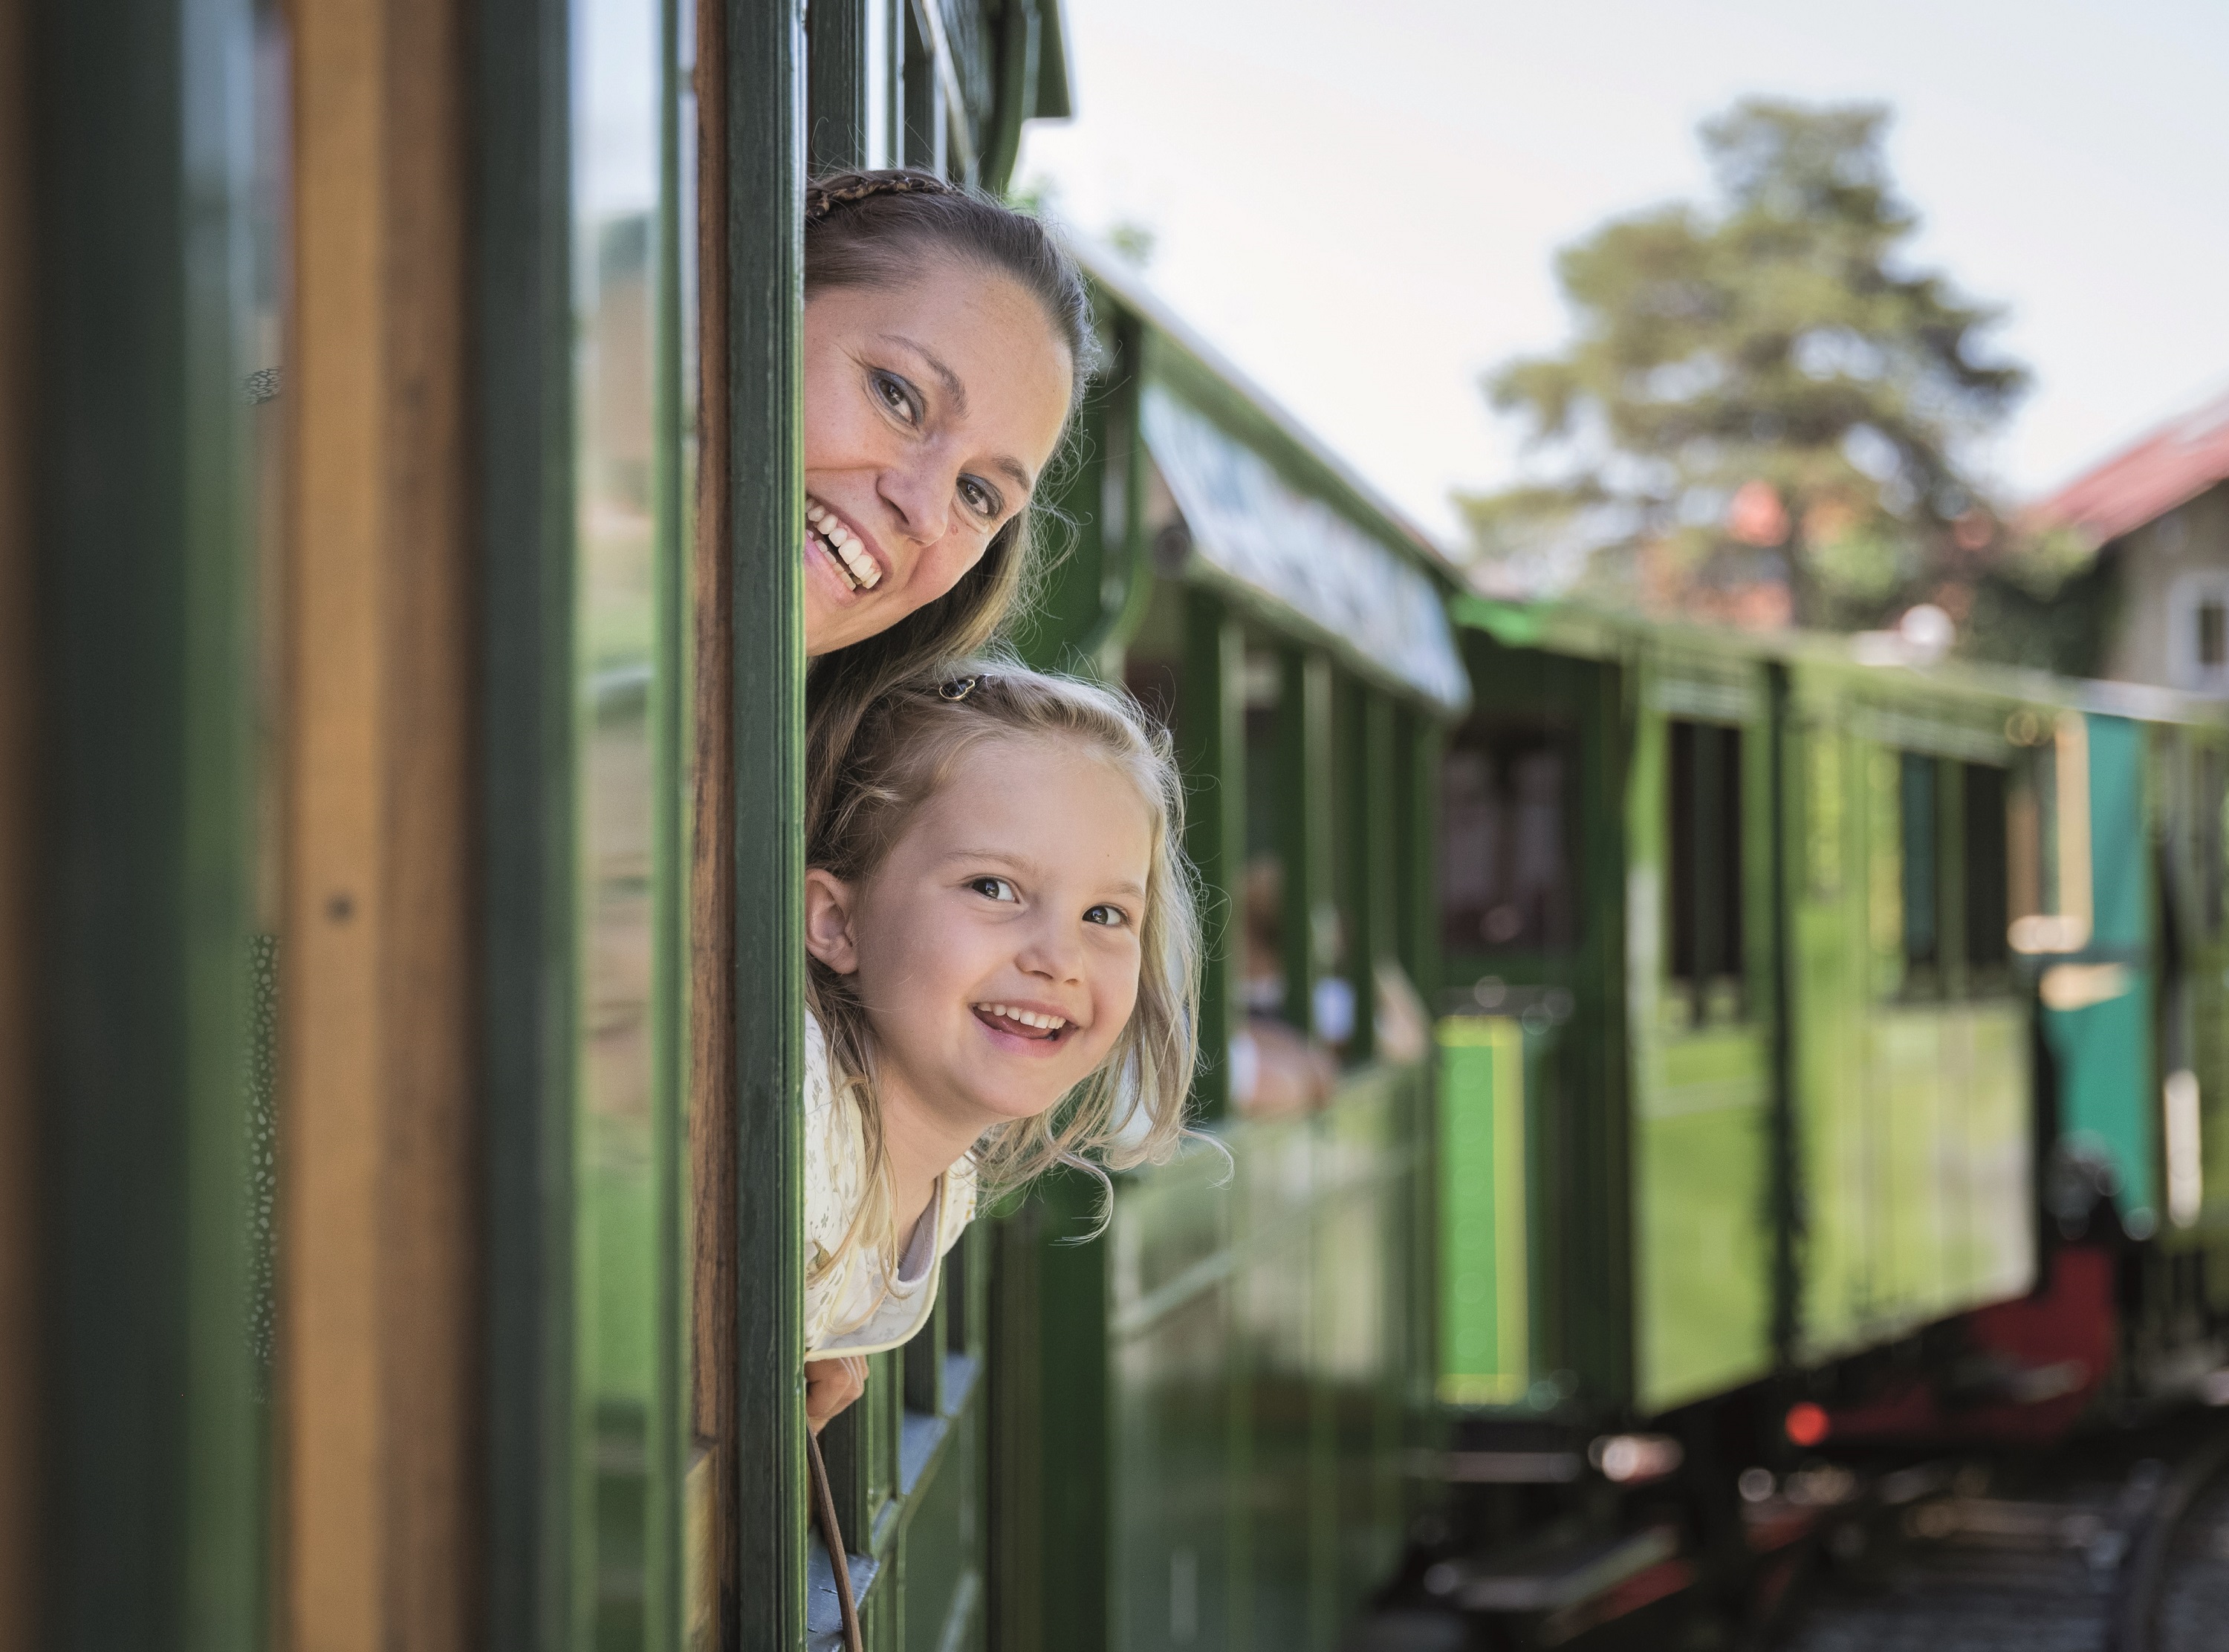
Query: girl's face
x: 930, y: 411
x: 996, y: 949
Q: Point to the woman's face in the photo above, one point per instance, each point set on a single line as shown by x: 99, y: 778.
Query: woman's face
x: 931, y: 413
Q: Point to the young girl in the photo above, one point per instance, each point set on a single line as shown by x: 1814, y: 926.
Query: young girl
x: 1004, y: 977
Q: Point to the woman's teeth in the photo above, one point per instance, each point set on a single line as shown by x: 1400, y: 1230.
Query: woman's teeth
x: 859, y: 568
x: 1027, y: 1018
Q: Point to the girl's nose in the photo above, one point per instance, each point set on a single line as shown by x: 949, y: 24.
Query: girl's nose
x: 1052, y: 953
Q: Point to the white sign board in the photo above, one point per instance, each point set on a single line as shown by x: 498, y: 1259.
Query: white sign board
x: 1254, y: 526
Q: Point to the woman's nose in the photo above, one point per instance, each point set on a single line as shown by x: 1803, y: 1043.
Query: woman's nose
x: 921, y: 496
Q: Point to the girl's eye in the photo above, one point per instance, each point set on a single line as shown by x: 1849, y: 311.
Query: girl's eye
x: 980, y: 497
x: 897, y: 396
x: 994, y: 888
x: 1113, y: 917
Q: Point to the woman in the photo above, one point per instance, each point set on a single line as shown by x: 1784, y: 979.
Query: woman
x: 946, y: 342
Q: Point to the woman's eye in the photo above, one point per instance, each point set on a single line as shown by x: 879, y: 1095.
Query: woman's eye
x: 980, y: 497
x: 1113, y: 917
x: 897, y: 395
x: 994, y: 888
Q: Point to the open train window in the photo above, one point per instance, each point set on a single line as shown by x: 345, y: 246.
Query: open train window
x: 1508, y: 875
x: 1704, y: 869
x: 2048, y: 831
x: 2206, y: 829
x: 1988, y: 871
x: 1919, y: 814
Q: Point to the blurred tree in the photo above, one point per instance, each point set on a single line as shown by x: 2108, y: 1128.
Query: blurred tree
x: 1764, y: 414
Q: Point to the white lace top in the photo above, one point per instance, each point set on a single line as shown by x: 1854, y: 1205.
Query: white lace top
x: 852, y: 1304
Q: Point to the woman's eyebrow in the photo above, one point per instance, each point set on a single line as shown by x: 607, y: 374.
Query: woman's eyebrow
x: 937, y: 365
x: 1012, y: 468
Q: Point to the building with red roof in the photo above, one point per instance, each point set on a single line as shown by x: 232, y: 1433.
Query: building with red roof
x: 2158, y: 511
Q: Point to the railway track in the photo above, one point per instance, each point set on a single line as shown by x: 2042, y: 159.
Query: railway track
x: 2116, y: 1544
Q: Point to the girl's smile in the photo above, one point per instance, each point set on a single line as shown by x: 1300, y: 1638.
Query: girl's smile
x: 995, y: 949
x: 1042, y: 1028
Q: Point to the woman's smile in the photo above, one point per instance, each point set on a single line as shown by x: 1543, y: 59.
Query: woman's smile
x: 930, y: 409
x: 854, y: 557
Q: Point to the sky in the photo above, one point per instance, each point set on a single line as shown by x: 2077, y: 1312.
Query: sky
x: 1359, y: 202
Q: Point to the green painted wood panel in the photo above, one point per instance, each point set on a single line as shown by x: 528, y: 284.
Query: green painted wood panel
x: 153, y: 1517
x: 522, y: 366
x: 1260, y: 1335
x: 765, y: 103
x: 1913, y: 1142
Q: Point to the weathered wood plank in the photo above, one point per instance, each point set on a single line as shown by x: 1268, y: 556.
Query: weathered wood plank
x: 381, y: 1230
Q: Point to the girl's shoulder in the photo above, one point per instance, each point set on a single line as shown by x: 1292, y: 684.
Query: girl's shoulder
x: 959, y: 1198
x: 835, y: 1150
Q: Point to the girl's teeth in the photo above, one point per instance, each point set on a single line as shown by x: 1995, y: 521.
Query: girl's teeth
x: 1027, y: 1018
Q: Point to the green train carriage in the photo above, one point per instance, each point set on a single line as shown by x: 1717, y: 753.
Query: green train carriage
x: 1804, y: 1010
x: 1204, y: 1436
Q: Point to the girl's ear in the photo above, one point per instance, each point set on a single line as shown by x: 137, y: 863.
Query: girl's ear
x: 828, y: 912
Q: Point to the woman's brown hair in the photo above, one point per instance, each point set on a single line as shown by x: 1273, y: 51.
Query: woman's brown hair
x: 880, y: 229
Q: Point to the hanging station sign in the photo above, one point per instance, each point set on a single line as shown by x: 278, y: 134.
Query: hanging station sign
x: 1252, y: 525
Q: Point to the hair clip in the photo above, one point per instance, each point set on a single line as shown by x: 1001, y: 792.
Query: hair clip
x: 821, y: 200
x: 957, y: 689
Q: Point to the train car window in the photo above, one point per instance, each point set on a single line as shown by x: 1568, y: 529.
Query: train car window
x: 629, y: 459
x: 1987, y: 864
x: 2206, y: 831
x: 1704, y: 870
x: 1508, y: 875
x: 1918, y: 815
x: 1261, y: 899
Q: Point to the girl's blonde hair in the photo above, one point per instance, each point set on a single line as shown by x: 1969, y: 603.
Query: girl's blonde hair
x: 902, y: 749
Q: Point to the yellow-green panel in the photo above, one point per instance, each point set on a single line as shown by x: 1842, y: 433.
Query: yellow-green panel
x: 1704, y: 1261
x: 1913, y: 1134
x: 1998, y: 1259
x: 1829, y: 998
x: 1485, y: 1302
x: 1906, y: 1059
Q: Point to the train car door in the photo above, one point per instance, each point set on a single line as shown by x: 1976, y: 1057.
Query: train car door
x: 1699, y: 966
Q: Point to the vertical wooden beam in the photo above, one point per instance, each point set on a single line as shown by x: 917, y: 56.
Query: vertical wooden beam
x: 380, y: 1234
x: 19, y: 871
x: 840, y: 85
x: 1211, y: 736
x: 712, y: 1491
x: 1304, y: 728
x: 1381, y: 850
x: 523, y: 432
x: 153, y: 1520
x: 764, y: 196
x: 927, y: 126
